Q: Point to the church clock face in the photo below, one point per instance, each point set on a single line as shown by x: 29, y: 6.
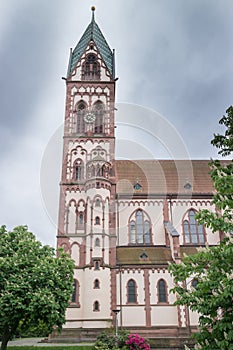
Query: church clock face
x: 89, y: 118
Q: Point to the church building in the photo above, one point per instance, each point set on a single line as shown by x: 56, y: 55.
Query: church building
x: 122, y: 221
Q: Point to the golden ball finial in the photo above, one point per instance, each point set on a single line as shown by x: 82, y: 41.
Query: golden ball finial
x: 93, y: 8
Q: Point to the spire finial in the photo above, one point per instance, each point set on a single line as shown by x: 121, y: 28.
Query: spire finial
x: 93, y: 13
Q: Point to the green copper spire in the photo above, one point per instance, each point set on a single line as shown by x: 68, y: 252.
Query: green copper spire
x: 94, y: 33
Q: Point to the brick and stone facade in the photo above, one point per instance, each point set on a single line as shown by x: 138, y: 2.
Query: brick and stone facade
x: 121, y: 232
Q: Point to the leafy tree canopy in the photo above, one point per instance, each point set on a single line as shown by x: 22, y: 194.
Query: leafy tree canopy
x: 212, y: 266
x: 35, y: 285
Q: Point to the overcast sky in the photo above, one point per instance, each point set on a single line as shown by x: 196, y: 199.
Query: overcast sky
x: 173, y: 56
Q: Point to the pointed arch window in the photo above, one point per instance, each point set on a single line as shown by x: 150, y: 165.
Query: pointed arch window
x: 81, y: 219
x: 97, y: 202
x: 162, y: 291
x: 91, y: 68
x: 99, y: 113
x: 139, y: 228
x: 131, y: 291
x: 96, y: 306
x: 96, y: 284
x: 97, y: 242
x: 78, y: 170
x: 81, y: 110
x: 96, y: 264
x: 97, y: 220
x: 75, y: 294
x: 194, y: 233
x: 194, y: 283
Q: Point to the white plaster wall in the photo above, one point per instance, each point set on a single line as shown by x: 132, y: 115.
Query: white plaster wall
x: 90, y: 295
x: 193, y: 316
x: 164, y: 315
x: 133, y: 316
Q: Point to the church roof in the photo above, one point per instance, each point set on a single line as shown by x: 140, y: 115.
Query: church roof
x: 94, y: 33
x: 161, y: 177
x: 132, y: 255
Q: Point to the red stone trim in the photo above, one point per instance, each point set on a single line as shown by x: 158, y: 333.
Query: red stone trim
x: 147, y: 297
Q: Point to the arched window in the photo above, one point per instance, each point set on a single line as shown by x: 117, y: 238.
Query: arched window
x: 97, y: 220
x: 81, y: 219
x: 99, y: 113
x: 81, y: 110
x: 97, y: 264
x: 131, y: 291
x: 91, y: 68
x: 96, y: 306
x: 193, y: 231
x: 97, y: 202
x: 139, y: 228
x: 162, y: 291
x: 194, y: 283
x: 78, y: 170
x: 96, y: 284
x: 75, y: 295
x: 97, y: 242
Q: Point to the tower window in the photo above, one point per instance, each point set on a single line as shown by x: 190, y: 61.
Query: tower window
x: 97, y: 264
x: 96, y: 306
x: 99, y: 113
x: 193, y: 231
x: 81, y: 219
x: 97, y: 242
x: 78, y: 170
x: 97, y: 202
x: 91, y: 68
x: 96, y: 284
x: 131, y: 292
x: 81, y: 110
x: 97, y: 220
x: 139, y: 228
x: 162, y: 291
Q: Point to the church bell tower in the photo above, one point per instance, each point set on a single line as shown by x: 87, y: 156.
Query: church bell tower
x: 86, y: 227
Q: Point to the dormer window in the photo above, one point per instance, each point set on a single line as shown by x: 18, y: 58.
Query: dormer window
x: 91, y: 68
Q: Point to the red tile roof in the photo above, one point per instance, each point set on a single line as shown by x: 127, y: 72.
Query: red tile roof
x: 164, y: 177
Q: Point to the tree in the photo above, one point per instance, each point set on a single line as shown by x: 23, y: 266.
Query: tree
x: 211, y: 267
x: 35, y: 285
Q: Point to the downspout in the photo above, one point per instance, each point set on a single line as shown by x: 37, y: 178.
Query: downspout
x: 120, y: 297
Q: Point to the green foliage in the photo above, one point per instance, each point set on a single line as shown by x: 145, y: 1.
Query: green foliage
x: 107, y: 340
x: 30, y: 330
x: 35, y: 285
x: 212, y: 266
x: 225, y: 142
x: 50, y: 347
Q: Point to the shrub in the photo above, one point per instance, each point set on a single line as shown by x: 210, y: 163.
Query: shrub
x: 107, y: 340
x: 136, y: 342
